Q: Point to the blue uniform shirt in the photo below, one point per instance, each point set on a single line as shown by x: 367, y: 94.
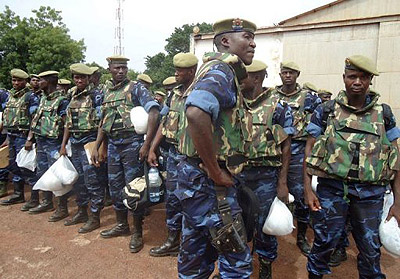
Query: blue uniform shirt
x: 3, y: 98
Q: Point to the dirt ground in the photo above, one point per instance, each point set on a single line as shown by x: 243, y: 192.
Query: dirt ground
x: 31, y: 247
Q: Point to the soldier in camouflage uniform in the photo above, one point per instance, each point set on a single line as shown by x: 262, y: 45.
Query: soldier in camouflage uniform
x: 126, y: 148
x: 159, y: 97
x: 185, y: 69
x: 145, y: 80
x: 4, y: 94
x: 20, y: 107
x: 269, y: 156
x: 81, y: 124
x: 169, y: 83
x: 302, y: 102
x: 309, y: 86
x: 212, y: 133
x: 352, y: 149
x: 324, y: 95
x: 47, y: 128
x: 34, y: 82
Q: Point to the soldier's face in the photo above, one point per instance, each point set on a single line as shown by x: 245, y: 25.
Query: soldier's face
x: 81, y: 81
x: 242, y: 44
x: 18, y: 83
x: 288, y: 76
x: 247, y: 84
x: 324, y: 97
x: 118, y: 71
x: 356, y: 82
x: 182, y: 75
x: 34, y: 83
x: 43, y: 83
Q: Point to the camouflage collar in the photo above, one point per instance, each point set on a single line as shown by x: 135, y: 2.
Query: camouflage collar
x: 178, y: 90
x: 119, y: 85
x: 298, y: 90
x: 259, y: 99
x: 76, y: 94
x: 233, y: 60
x: 20, y: 93
x: 370, y: 100
x: 54, y: 95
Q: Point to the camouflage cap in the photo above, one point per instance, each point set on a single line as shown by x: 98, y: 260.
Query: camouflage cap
x: 63, y: 81
x: 324, y: 92
x: 145, y: 78
x: 18, y: 73
x: 310, y: 86
x: 233, y: 25
x: 34, y: 76
x: 48, y: 73
x: 117, y: 59
x: 290, y: 65
x: 256, y: 66
x: 185, y: 60
x: 158, y: 92
x: 169, y: 81
x: 80, y: 69
x: 361, y: 63
x: 94, y: 69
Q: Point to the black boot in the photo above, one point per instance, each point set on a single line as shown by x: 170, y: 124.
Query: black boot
x: 3, y: 189
x: 136, y: 243
x: 301, y: 238
x: 92, y: 224
x: 337, y: 257
x: 80, y: 217
x: 18, y: 196
x: 33, y: 201
x: 62, y: 209
x: 169, y: 248
x: 45, y: 205
x: 121, y: 228
x: 314, y: 276
x: 265, y: 269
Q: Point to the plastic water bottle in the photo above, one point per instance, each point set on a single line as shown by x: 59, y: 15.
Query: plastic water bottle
x: 154, y: 184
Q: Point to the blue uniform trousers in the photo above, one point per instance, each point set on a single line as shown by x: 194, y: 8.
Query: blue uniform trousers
x: 16, y: 143
x: 296, y: 187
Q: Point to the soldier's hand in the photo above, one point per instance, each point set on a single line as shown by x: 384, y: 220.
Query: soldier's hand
x: 220, y: 177
x: 312, y: 201
x: 282, y: 192
x: 28, y: 145
x: 143, y: 152
x: 394, y: 212
x: 152, y: 158
x: 63, y: 150
x: 95, y: 158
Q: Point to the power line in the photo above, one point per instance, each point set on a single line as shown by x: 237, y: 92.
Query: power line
x: 119, y: 31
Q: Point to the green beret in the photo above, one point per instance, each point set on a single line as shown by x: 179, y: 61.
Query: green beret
x: 233, y: 25
x: 324, y: 92
x: 361, y: 63
x: 290, y: 65
x: 144, y: 77
x: 185, y: 60
x: 160, y: 93
x: 48, y: 73
x: 62, y: 81
x: 117, y: 59
x: 18, y: 73
x: 310, y: 86
x: 256, y: 66
x: 169, y: 81
x: 34, y: 76
x: 94, y: 69
x: 80, y: 69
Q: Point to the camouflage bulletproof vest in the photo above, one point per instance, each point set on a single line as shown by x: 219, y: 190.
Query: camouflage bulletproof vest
x: 233, y: 125
x: 354, y: 146
x: 171, y: 120
x: 15, y: 115
x: 264, y: 149
x: 301, y: 118
x: 81, y: 113
x: 117, y: 106
x: 47, y: 122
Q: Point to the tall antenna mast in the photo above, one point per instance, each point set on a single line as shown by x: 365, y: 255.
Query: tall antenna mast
x: 119, y: 31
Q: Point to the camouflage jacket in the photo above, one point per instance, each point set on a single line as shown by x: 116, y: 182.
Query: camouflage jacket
x: 47, y: 122
x: 232, y: 126
x: 354, y: 146
x: 16, y: 113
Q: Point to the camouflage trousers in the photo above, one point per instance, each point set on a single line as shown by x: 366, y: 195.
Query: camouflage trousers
x: 296, y: 187
x: 88, y: 187
x: 329, y: 224
x: 123, y: 167
x: 263, y: 180
x: 197, y: 256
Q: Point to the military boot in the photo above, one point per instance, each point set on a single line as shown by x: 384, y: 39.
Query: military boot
x: 136, y: 243
x: 45, y: 205
x: 80, y: 217
x: 265, y: 269
x: 121, y: 228
x: 314, y: 276
x: 33, y: 201
x: 62, y: 209
x: 301, y: 238
x: 3, y: 189
x: 18, y: 196
x: 337, y: 257
x: 92, y: 224
x: 169, y: 248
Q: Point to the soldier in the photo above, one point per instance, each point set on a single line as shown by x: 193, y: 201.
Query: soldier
x: 185, y: 69
x: 145, y: 80
x: 169, y: 84
x: 20, y: 107
x: 47, y: 128
x: 126, y: 149
x: 309, y: 86
x: 352, y: 149
x: 35, y: 84
x: 302, y: 102
x: 324, y: 95
x: 159, y: 97
x: 212, y: 133
x: 269, y: 156
x: 4, y: 95
x: 95, y: 77
x: 81, y: 124
x: 64, y: 85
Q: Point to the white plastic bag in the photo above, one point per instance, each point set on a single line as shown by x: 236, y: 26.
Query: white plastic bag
x: 139, y: 118
x: 27, y: 159
x: 314, y: 183
x: 389, y: 232
x: 65, y: 171
x: 279, y: 220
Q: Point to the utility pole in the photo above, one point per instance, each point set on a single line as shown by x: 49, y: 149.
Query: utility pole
x: 119, y: 31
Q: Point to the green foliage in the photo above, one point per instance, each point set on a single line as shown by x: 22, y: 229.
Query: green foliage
x: 36, y: 44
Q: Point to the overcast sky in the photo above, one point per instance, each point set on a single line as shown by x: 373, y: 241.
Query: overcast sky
x: 148, y: 23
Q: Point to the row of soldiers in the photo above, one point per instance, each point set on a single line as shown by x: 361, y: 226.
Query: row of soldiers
x: 224, y: 132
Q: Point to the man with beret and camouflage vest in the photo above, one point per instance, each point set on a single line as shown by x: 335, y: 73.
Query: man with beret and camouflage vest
x: 126, y: 148
x: 47, y: 128
x: 269, y: 156
x: 352, y: 149
x: 185, y: 69
x: 302, y: 102
x: 34, y: 82
x: 64, y: 85
x: 81, y: 124
x: 20, y: 107
x: 213, y: 129
x: 4, y: 95
x: 324, y: 95
x: 159, y: 97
